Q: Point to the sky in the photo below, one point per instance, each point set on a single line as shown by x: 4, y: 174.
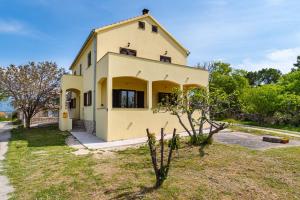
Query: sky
x: 248, y: 34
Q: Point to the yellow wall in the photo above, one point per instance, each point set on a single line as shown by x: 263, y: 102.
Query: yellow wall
x: 124, y: 123
x: 145, y: 42
x: 68, y: 83
x: 87, y: 74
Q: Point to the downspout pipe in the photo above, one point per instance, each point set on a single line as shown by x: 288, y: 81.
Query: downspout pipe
x: 95, y: 74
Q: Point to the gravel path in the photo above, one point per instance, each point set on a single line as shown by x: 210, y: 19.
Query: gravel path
x: 5, y: 187
x: 250, y: 141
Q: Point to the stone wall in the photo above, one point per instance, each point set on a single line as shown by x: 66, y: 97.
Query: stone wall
x: 89, y: 126
x: 44, y: 120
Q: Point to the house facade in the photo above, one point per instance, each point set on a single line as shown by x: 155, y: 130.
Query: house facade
x: 120, y: 74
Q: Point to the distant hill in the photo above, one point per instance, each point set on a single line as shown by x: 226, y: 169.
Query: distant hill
x: 5, y: 106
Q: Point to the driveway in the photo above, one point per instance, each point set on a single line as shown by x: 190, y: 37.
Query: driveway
x: 5, y: 187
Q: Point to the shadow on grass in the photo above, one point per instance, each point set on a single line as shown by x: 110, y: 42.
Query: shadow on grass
x: 40, y: 136
x: 132, y: 195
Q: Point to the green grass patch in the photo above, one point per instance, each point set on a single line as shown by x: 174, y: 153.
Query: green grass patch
x: 40, y: 166
x: 260, y: 132
x: 276, y: 126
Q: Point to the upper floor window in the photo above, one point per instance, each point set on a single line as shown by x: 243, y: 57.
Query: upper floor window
x: 80, y: 69
x: 74, y: 73
x: 141, y: 25
x: 154, y: 29
x: 165, y: 59
x: 89, y: 59
x: 129, y: 52
x: 87, y: 101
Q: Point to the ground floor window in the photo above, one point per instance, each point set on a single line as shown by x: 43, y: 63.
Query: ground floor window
x: 128, y: 98
x: 164, y: 97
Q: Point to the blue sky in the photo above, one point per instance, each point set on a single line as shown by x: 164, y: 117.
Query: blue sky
x: 248, y: 34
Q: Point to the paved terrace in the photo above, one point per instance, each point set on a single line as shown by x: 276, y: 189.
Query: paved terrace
x: 226, y: 137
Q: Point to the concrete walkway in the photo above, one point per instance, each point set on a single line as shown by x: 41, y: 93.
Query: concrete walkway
x: 226, y: 136
x: 5, y: 187
x: 92, y: 142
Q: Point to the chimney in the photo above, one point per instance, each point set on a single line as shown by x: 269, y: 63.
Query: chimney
x: 145, y: 11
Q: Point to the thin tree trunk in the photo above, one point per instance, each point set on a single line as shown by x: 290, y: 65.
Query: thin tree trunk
x: 27, y: 122
x: 162, y: 149
x: 170, y: 153
x: 153, y: 156
x: 189, y: 115
x: 182, y: 124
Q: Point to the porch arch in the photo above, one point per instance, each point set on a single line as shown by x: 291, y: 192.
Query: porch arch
x: 136, y: 90
x: 191, y: 86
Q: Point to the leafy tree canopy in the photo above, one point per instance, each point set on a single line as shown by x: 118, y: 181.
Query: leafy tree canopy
x: 291, y: 82
x: 32, y: 87
x: 297, y: 64
x: 263, y: 76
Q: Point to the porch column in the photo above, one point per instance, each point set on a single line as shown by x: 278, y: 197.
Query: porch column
x: 63, y: 100
x: 109, y: 92
x: 149, y: 94
x: 81, y: 99
x: 63, y: 122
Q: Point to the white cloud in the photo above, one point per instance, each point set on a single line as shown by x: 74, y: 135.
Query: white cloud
x: 20, y: 28
x: 282, y: 59
x: 11, y: 26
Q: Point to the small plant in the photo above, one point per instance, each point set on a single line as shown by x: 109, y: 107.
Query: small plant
x: 161, y: 172
x: 195, y: 109
x: 202, y: 139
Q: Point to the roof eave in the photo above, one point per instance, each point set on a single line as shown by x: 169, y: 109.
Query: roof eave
x: 82, y: 47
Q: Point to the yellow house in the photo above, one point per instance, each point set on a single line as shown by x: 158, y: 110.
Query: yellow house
x: 120, y: 74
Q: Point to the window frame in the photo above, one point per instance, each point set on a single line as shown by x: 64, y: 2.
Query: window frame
x: 117, y: 98
x: 87, y: 98
x: 165, y: 58
x: 89, y: 59
x: 154, y: 29
x: 128, y: 50
x: 80, y: 69
x: 141, y: 25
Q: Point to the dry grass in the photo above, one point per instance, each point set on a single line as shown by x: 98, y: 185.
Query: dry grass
x: 225, y: 172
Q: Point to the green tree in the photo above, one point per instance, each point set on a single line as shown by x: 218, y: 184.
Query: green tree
x: 269, y: 75
x: 230, y: 83
x: 263, y: 76
x: 291, y: 82
x: 297, y: 64
x: 195, y: 105
x: 33, y: 87
x: 289, y: 109
x: 261, y: 102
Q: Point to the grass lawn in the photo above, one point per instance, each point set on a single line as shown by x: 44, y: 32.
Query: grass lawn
x: 252, y: 123
x: 41, y: 166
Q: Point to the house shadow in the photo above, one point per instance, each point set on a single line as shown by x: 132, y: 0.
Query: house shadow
x: 40, y: 136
